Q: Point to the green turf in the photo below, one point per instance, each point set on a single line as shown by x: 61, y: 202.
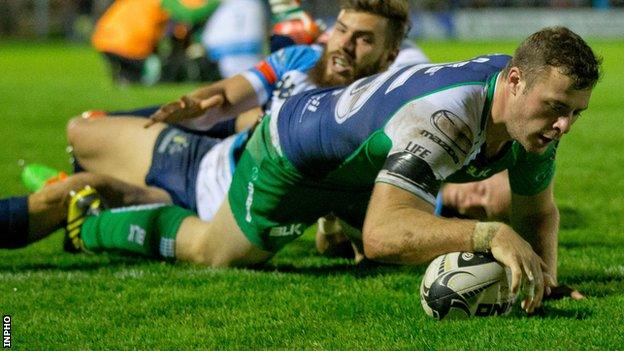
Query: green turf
x: 298, y: 301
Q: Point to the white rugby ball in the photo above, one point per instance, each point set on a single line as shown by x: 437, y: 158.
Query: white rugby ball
x: 465, y: 284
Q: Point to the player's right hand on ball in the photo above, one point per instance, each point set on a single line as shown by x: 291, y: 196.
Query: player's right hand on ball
x: 526, y: 266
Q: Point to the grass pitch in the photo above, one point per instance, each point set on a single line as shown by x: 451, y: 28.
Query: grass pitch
x: 298, y: 301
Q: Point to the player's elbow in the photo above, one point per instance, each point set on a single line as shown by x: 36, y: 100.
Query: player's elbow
x: 376, y: 248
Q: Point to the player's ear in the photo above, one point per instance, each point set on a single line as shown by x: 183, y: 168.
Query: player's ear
x: 392, y: 55
x: 514, y: 80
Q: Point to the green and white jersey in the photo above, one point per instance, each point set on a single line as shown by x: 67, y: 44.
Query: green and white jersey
x: 322, y: 151
x: 413, y: 128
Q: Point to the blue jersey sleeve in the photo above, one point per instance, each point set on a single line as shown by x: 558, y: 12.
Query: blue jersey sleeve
x: 265, y: 75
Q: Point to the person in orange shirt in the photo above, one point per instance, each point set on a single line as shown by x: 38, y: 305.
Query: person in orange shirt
x: 130, y: 32
x: 127, y: 34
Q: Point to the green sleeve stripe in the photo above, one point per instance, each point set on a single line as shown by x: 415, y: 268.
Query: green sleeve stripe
x: 377, y: 143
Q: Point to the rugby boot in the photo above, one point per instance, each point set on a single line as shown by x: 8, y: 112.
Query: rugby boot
x: 83, y: 203
x: 35, y: 176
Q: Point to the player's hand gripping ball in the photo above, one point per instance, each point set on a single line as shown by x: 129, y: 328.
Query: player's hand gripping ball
x: 465, y: 284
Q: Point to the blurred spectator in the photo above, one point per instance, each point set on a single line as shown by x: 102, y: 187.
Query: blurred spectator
x: 292, y: 25
x: 127, y: 34
x: 7, y: 22
x: 159, y: 40
x: 75, y: 18
x: 235, y: 34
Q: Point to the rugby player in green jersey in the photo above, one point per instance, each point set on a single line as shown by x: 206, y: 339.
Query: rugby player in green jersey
x: 395, y: 138
x: 386, y: 145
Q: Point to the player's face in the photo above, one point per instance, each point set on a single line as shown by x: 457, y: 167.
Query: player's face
x: 546, y: 111
x: 356, y: 47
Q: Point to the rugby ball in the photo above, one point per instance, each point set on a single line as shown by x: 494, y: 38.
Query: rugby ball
x: 465, y: 284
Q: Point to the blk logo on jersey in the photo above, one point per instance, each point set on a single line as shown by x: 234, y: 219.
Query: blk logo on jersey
x: 287, y: 230
x: 478, y: 173
x: 357, y: 94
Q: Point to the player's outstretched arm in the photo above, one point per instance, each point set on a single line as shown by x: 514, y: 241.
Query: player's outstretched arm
x: 214, y: 103
x: 400, y: 228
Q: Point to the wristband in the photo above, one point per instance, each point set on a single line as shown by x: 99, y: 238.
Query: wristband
x: 483, y: 234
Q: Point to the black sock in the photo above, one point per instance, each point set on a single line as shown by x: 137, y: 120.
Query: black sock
x: 14, y: 222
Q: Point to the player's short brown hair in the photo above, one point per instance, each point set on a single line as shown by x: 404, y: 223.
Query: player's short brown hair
x: 560, y: 48
x: 395, y: 11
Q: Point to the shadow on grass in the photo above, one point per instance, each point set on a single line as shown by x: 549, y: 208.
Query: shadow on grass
x: 598, y: 284
x: 301, y: 259
x: 365, y: 269
x: 551, y: 312
x: 80, y: 262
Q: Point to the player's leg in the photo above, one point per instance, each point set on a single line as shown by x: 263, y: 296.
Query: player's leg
x: 168, y: 232
x: 47, y: 208
x: 120, y: 147
x: 32, y: 218
x: 219, y: 243
x: 336, y: 238
x: 14, y: 222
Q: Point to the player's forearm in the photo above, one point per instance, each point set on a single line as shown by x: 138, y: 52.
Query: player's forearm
x: 238, y: 96
x: 412, y: 236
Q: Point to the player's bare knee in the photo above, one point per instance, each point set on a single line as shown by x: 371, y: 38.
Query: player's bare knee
x: 73, y: 129
x: 216, y: 256
x: 198, y: 249
x: 205, y: 257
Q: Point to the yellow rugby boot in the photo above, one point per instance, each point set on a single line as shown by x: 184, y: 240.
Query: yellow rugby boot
x: 83, y: 203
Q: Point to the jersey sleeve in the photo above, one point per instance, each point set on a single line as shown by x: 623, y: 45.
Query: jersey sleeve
x: 265, y: 75
x: 430, y: 143
x: 532, y: 173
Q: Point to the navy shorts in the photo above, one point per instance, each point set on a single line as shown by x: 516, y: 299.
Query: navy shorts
x: 175, y: 163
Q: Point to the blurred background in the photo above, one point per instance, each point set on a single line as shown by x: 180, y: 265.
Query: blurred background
x: 155, y: 41
x: 461, y: 19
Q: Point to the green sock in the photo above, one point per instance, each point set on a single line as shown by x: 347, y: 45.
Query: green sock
x: 149, y: 230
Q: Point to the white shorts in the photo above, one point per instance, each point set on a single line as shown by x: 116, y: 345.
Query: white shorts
x: 215, y: 175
